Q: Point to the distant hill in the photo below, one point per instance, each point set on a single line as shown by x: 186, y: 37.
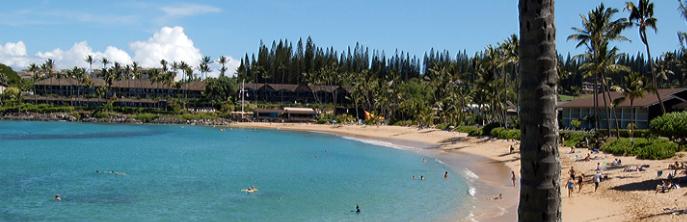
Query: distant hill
x: 12, y: 77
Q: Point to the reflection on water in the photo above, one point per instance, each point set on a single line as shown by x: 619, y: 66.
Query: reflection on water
x: 80, y: 135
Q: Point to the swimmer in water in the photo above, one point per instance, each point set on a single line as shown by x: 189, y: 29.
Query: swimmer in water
x: 357, y: 209
x: 422, y: 177
x: 445, y: 174
x: 58, y: 198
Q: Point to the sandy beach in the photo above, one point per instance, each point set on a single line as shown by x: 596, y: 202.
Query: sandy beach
x: 624, y: 196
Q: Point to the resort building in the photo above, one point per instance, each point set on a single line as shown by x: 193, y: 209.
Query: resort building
x: 641, y: 110
x: 287, y: 114
x: 292, y: 93
x: 137, y: 88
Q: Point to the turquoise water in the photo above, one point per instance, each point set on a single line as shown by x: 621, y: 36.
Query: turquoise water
x: 185, y: 173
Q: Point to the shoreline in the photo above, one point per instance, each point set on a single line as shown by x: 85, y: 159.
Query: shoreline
x: 487, y: 176
x: 623, y: 196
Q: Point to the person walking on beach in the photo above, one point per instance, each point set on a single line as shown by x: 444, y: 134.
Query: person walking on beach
x: 572, y: 172
x: 512, y: 177
x: 597, y: 180
x: 571, y: 187
x: 580, y: 181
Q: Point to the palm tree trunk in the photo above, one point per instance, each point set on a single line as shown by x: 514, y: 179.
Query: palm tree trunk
x: 632, y: 106
x: 654, y: 78
x: 540, y: 194
x: 604, y: 93
x: 596, y: 102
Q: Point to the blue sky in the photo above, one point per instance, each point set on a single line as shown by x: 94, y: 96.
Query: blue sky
x: 233, y: 28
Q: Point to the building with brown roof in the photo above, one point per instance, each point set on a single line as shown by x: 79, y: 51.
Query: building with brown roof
x: 136, y: 88
x: 295, y: 93
x: 641, y: 110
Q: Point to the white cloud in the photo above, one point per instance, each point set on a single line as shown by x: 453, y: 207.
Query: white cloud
x: 183, y: 10
x: 171, y: 44
x: 14, y: 54
x: 76, y: 55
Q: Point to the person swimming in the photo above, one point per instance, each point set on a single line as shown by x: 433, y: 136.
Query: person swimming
x: 250, y: 189
x: 422, y: 177
x: 58, y: 198
x: 357, y: 209
x: 445, y: 174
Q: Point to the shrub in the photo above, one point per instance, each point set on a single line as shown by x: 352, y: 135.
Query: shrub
x: 576, y: 138
x: 671, y: 125
x: 502, y: 133
x: 658, y: 150
x: 103, y: 114
x: 626, y: 133
x: 442, y: 126
x: 325, y: 118
x: 643, y: 148
x: 470, y: 130
x: 41, y: 108
x: 575, y: 123
x: 404, y: 123
x: 145, y: 117
x: 345, y: 119
x: 487, y: 128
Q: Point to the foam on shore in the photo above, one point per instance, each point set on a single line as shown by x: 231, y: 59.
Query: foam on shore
x: 378, y: 143
x: 471, y: 176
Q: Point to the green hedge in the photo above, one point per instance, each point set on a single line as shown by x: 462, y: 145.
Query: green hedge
x: 626, y: 133
x: 575, y: 138
x: 671, y: 125
x: 404, y: 123
x: 502, y: 133
x: 643, y: 148
x: 40, y: 108
x: 470, y: 130
x: 145, y: 117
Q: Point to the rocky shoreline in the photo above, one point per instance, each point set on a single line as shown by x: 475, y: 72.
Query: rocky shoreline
x: 118, y: 118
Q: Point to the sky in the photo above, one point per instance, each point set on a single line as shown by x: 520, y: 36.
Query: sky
x: 147, y: 31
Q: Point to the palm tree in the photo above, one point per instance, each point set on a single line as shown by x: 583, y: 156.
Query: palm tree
x: 510, y: 49
x: 34, y: 70
x: 163, y: 65
x: 632, y: 89
x: 105, y: 62
x: 48, y: 69
x: 540, y: 194
x: 682, y: 36
x: 606, y: 63
x: 642, y: 16
x: 204, y: 66
x: 222, y: 61
x: 89, y: 59
x: 598, y: 30
x: 79, y: 74
x: 188, y: 74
